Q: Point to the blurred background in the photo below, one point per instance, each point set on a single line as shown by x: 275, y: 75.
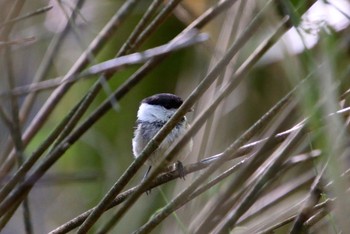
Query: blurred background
x: 42, y: 47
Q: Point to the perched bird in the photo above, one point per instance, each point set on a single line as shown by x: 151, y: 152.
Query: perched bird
x: 152, y: 115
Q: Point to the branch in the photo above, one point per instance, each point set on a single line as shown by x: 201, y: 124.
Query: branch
x: 166, y: 177
x: 26, y: 16
x: 112, y: 65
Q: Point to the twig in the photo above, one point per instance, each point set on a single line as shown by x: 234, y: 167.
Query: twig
x: 203, y: 85
x: 280, y: 192
x: 128, y: 174
x: 198, y: 23
x: 63, y: 178
x: 316, y: 217
x: 94, y: 47
x: 81, y: 63
x: 26, y: 16
x: 51, y: 158
x: 228, y: 31
x: 160, y: 179
x: 111, y: 65
x: 14, y: 12
x: 16, y: 42
x: 27, y: 165
x: 40, y: 74
x: 132, y: 81
x: 312, y: 199
x: 208, y: 223
x: 165, y: 12
x: 69, y: 122
x: 6, y: 218
x: 317, y: 208
x: 5, y: 118
x: 15, y: 127
x: 239, y: 75
x: 252, y: 194
x: 272, y: 198
x: 48, y: 58
x: 130, y: 43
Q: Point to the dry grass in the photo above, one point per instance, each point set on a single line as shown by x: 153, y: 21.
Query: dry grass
x: 278, y: 128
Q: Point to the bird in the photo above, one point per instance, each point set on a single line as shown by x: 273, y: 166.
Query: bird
x: 153, y: 113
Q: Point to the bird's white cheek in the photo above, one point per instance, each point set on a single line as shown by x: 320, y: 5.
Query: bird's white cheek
x: 151, y: 113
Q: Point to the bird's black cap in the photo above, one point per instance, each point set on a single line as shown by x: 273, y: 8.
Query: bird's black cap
x: 167, y: 100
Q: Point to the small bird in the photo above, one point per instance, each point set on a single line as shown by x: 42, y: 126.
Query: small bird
x: 153, y: 113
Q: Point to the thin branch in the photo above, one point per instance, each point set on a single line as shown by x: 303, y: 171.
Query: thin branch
x: 67, y: 123
x: 74, y: 116
x: 16, y: 42
x: 164, y: 178
x: 318, y: 211
x: 127, y: 85
x: 312, y: 199
x: 123, y: 89
x: 129, y: 173
x: 165, y: 13
x: 318, y: 216
x: 218, y: 207
x: 170, y: 176
x: 15, y: 128
x: 63, y: 178
x: 160, y: 179
x: 94, y: 47
x: 205, y: 18
x: 228, y: 32
x: 130, y: 43
x: 48, y: 58
x: 241, y: 72
x: 7, y: 217
x: 51, y: 158
x: 206, y: 82
x: 70, y: 120
x: 40, y: 74
x: 132, y: 81
x: 26, y: 16
x: 251, y: 194
x: 13, y: 13
x: 5, y: 118
x: 27, y: 165
x: 317, y: 208
x: 112, y: 65
x: 272, y: 198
